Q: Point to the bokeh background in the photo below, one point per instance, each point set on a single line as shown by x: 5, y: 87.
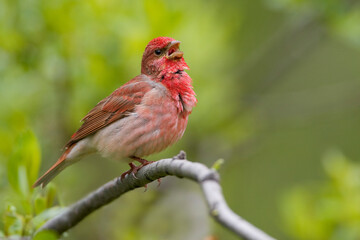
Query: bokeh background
x: 278, y: 84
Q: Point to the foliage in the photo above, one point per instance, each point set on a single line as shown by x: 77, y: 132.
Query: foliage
x: 277, y: 83
x: 26, y: 209
x: 327, y: 210
x: 339, y: 15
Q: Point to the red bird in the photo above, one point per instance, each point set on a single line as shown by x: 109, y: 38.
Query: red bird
x: 144, y: 116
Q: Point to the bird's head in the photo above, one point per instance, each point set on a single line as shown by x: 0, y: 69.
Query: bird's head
x: 162, y: 54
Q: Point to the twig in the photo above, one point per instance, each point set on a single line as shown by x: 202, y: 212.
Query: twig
x: 177, y: 166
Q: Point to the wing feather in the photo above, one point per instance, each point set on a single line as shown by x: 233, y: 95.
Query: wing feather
x: 116, y: 106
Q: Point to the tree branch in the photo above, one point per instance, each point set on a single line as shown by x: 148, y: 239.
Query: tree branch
x: 177, y: 166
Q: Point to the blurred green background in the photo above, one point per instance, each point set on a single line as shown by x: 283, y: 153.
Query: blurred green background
x: 278, y: 84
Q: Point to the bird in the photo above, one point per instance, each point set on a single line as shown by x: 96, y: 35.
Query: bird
x: 141, y: 117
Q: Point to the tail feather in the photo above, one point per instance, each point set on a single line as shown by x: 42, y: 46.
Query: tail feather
x: 60, y: 164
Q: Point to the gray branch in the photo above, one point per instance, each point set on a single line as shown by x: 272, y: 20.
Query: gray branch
x: 178, y: 166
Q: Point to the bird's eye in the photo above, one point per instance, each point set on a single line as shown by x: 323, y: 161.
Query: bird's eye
x: 158, y: 51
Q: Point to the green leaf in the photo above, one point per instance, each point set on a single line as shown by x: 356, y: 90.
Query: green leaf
x: 217, y: 164
x: 23, y: 180
x: 50, y: 194
x: 46, y: 235
x: 23, y: 165
x: 13, y: 222
x: 46, y: 215
x: 329, y: 209
x: 40, y: 204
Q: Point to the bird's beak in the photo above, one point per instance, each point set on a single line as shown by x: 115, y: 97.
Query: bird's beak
x: 173, y: 51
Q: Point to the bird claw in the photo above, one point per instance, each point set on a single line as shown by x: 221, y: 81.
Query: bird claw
x: 133, y: 174
x: 123, y: 175
x: 134, y: 169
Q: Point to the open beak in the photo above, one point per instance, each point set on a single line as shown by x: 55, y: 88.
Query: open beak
x: 173, y: 51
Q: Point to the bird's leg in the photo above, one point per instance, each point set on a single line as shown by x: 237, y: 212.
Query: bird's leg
x: 159, y: 182
x: 133, y: 170
x: 144, y: 162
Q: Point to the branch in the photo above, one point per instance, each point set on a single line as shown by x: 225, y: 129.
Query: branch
x: 178, y: 166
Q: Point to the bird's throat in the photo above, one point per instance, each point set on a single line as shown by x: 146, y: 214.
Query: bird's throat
x: 179, y: 85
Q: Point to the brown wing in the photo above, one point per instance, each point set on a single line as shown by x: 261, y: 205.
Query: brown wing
x: 116, y: 106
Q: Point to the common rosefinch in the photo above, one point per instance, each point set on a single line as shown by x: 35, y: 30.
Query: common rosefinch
x: 144, y: 116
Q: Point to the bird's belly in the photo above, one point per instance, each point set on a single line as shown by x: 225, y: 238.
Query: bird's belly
x: 148, y: 130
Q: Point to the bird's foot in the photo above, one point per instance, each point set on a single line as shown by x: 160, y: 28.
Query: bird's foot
x: 133, y: 170
x: 142, y: 161
x: 145, y: 162
x: 159, y: 182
